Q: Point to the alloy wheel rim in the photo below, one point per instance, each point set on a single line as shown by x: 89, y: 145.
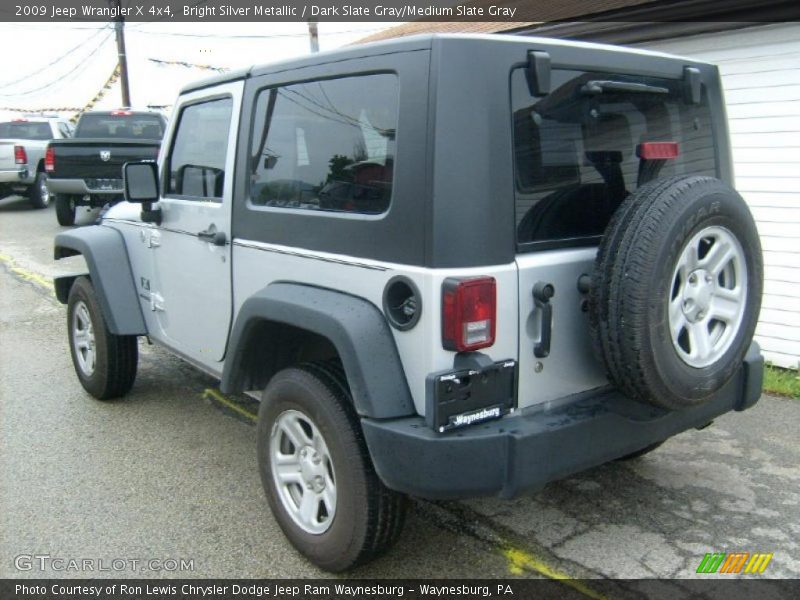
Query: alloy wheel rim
x: 708, y: 296
x: 83, y: 339
x: 44, y: 193
x: 303, y: 473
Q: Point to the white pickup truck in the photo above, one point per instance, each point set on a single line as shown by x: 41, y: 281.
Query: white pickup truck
x: 23, y: 143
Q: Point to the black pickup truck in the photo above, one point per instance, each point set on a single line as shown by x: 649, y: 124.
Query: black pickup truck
x: 87, y: 169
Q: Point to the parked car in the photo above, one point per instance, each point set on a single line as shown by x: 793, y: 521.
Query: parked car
x: 87, y: 170
x: 451, y: 266
x: 22, y: 147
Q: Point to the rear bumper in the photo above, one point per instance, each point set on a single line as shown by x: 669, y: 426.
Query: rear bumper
x: 524, y: 451
x: 78, y: 187
x: 17, y: 176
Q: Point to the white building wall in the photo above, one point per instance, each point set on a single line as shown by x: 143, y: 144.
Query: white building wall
x: 760, y: 69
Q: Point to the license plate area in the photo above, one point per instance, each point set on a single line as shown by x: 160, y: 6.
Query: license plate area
x: 463, y: 397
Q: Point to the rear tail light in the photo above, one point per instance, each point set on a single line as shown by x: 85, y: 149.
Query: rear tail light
x: 469, y: 313
x: 20, y: 157
x: 657, y: 150
x: 121, y: 113
x: 50, y: 159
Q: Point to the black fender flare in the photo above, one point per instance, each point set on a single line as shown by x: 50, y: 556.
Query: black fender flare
x: 110, y: 271
x: 356, y: 328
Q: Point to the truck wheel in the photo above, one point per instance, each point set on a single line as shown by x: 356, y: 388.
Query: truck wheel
x: 65, y: 209
x: 37, y: 193
x: 317, y: 473
x: 105, y: 363
x: 676, y: 290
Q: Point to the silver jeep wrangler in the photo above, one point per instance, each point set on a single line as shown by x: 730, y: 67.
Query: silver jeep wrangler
x: 452, y: 266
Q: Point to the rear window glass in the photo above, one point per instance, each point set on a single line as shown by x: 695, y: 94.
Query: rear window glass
x: 21, y: 130
x: 326, y: 145
x: 146, y: 127
x: 575, y: 150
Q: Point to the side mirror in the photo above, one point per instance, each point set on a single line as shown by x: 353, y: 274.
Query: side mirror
x: 538, y: 73
x: 140, y: 185
x: 140, y: 181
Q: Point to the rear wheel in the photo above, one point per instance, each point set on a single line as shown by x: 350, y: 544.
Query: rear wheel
x: 676, y: 290
x: 38, y: 193
x: 65, y: 209
x: 317, y: 473
x: 104, y: 362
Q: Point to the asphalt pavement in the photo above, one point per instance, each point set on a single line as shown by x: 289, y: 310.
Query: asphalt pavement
x: 169, y: 473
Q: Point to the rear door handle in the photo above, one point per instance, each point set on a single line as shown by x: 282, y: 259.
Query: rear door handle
x: 542, y: 292
x: 212, y: 236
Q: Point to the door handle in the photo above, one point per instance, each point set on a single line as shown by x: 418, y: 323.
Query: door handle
x: 212, y: 236
x: 542, y: 292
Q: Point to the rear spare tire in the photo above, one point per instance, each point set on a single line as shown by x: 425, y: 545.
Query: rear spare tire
x: 676, y: 290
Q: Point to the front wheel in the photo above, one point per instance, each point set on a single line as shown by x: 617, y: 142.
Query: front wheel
x: 65, y: 210
x: 317, y: 473
x: 38, y: 193
x: 104, y: 362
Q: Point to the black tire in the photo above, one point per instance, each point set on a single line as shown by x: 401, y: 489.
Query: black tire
x: 642, y: 452
x: 115, y: 356
x: 65, y: 210
x: 368, y: 517
x: 37, y: 193
x: 633, y: 282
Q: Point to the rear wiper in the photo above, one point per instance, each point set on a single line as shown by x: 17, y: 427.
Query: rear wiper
x: 596, y: 87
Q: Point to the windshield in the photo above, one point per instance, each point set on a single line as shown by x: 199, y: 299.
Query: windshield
x: 146, y: 127
x: 25, y: 130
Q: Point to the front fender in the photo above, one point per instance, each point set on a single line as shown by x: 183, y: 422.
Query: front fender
x: 110, y: 271
x: 356, y: 328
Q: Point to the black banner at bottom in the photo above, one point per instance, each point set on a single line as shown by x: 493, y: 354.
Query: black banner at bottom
x: 388, y: 589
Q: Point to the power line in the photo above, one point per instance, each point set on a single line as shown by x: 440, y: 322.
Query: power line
x: 57, y: 60
x: 83, y: 63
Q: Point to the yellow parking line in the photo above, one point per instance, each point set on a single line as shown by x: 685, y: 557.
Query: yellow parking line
x: 520, y: 561
x: 27, y: 275
x: 209, y: 392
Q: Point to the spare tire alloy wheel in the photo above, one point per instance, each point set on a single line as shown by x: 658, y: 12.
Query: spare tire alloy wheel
x: 676, y: 290
x: 709, y: 295
x: 303, y: 471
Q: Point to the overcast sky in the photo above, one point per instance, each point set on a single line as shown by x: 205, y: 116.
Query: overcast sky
x: 89, y: 55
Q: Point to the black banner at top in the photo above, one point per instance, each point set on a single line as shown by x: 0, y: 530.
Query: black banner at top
x: 508, y: 11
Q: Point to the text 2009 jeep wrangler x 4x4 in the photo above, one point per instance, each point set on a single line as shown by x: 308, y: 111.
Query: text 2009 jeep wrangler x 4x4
x: 455, y: 265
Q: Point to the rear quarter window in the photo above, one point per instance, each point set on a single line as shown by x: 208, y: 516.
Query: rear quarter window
x: 326, y: 145
x: 575, y: 150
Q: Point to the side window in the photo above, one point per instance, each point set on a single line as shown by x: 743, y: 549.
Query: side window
x: 326, y: 145
x: 196, y: 164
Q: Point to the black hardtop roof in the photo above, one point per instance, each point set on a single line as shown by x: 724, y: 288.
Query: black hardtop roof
x: 405, y: 44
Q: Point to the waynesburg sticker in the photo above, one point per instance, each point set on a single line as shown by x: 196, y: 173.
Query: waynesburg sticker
x: 477, y: 416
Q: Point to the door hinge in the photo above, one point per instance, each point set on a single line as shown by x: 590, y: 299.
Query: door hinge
x: 151, y: 238
x: 156, y: 302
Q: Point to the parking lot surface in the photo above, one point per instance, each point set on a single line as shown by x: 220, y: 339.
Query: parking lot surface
x: 170, y: 472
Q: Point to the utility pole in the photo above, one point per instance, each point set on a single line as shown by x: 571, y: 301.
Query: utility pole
x: 313, y: 36
x: 119, y: 26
